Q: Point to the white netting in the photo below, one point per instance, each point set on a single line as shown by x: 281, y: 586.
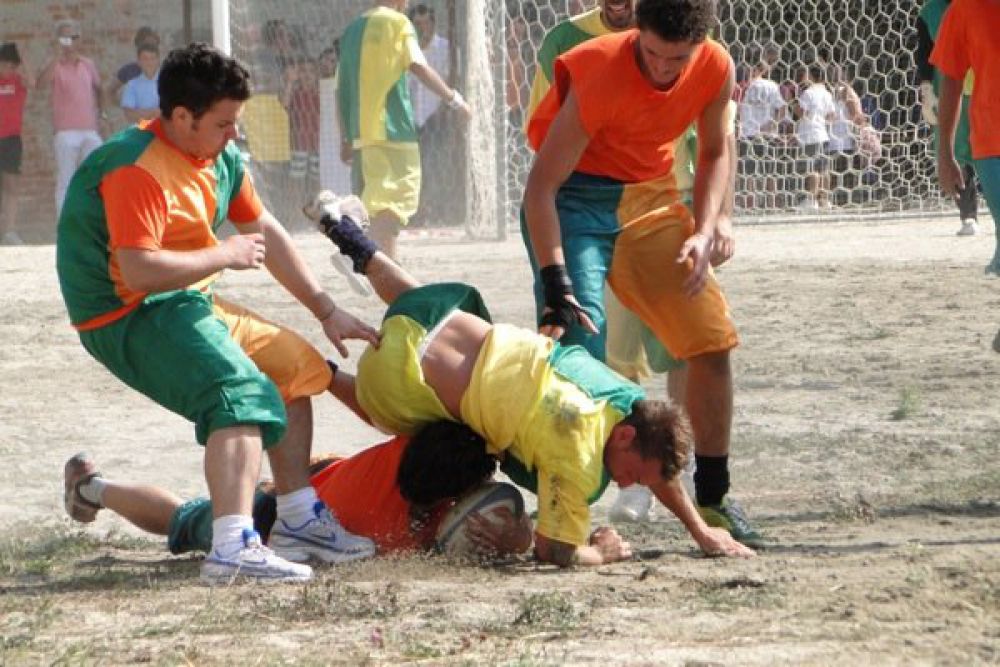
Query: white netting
x: 882, y: 163
x: 291, y: 134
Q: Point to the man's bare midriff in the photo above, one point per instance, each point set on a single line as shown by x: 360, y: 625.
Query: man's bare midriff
x: 451, y: 356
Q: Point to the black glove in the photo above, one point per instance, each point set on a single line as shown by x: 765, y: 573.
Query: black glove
x: 557, y: 286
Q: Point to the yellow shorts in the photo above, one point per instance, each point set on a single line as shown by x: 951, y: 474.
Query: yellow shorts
x: 290, y: 361
x: 389, y: 179
x: 647, y: 281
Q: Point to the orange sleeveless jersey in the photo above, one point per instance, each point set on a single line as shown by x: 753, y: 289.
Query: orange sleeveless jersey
x: 631, y: 125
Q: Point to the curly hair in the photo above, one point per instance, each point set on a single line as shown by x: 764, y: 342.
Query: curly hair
x: 197, y: 76
x: 662, y: 432
x: 677, y: 20
x: 443, y: 460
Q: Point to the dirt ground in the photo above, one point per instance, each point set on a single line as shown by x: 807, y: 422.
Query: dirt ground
x: 866, y: 441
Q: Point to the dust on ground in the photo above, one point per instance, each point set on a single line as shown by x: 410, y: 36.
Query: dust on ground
x: 865, y: 443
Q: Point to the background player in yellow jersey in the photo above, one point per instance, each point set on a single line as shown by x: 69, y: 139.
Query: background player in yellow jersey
x: 378, y: 131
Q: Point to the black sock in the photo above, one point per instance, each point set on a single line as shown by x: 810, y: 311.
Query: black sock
x: 351, y: 241
x: 711, y: 479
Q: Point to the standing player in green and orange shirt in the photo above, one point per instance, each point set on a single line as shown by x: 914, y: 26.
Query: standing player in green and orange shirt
x: 602, y: 205
x: 136, y: 256
x: 968, y: 41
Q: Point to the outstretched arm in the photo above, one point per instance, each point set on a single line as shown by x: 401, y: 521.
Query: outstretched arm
x: 557, y: 157
x: 291, y: 271
x: 606, y: 546
x: 710, y: 185
x: 949, y: 173
x: 713, y: 541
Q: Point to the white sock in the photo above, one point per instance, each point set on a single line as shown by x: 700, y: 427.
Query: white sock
x: 227, y: 533
x: 93, y: 490
x: 296, y: 508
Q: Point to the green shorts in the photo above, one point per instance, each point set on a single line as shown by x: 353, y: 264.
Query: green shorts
x: 191, y: 524
x: 175, y: 350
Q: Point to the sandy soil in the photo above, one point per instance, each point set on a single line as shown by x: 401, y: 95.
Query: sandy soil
x: 865, y: 443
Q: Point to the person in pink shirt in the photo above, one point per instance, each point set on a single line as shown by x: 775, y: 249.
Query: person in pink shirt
x: 13, y: 93
x: 77, y: 105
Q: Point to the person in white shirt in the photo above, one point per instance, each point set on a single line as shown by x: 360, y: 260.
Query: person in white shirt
x: 847, y: 125
x: 761, y: 109
x: 814, y: 110
x: 431, y: 115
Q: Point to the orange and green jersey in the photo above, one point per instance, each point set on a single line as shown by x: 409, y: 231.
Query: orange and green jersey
x: 373, y: 97
x: 967, y: 41
x: 140, y: 191
x: 563, y: 37
x: 632, y: 131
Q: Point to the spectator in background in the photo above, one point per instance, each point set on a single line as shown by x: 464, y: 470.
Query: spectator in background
x: 140, y: 99
x: 334, y: 175
x: 300, y: 97
x: 761, y: 110
x: 144, y: 36
x: 845, y: 130
x: 430, y: 114
x: 78, y: 113
x: 14, y: 87
x: 814, y: 110
x: 436, y: 50
x: 928, y: 23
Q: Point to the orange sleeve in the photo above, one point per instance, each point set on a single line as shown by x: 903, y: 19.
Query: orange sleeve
x: 246, y: 206
x: 135, y: 208
x: 950, y: 54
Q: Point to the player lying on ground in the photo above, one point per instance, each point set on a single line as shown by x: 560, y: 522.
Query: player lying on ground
x: 396, y: 493
x: 563, y: 423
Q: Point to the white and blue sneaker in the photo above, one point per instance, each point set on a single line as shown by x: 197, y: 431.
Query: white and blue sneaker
x: 252, y: 561
x: 321, y: 537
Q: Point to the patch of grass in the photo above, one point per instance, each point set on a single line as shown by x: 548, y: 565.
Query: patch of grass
x: 546, y: 611
x: 909, y: 404
x: 40, y: 550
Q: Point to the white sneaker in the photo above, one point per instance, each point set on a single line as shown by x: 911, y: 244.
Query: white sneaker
x: 807, y: 205
x: 632, y: 504
x: 252, y: 561
x: 969, y: 228
x: 320, y: 537
x: 356, y: 282
x: 11, y: 238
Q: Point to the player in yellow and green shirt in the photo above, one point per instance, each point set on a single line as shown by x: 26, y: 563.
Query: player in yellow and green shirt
x: 563, y: 423
x: 378, y: 131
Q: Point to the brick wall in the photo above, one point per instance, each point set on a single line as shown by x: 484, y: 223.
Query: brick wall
x: 108, y: 27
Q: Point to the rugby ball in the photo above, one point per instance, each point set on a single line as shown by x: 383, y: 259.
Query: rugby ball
x: 451, y: 537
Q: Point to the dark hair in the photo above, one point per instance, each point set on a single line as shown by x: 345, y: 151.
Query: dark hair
x: 662, y: 432
x: 198, y: 76
x: 9, y: 53
x: 677, y: 20
x: 146, y: 36
x: 817, y: 72
x: 147, y: 48
x: 421, y: 10
x: 443, y: 460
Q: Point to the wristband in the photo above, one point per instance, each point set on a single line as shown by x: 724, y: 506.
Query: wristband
x: 333, y: 309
